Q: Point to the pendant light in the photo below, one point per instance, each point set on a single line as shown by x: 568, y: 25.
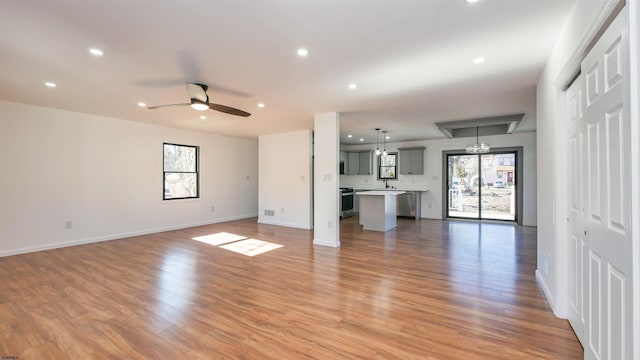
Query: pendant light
x: 377, y: 141
x: 384, y: 142
x: 478, y: 147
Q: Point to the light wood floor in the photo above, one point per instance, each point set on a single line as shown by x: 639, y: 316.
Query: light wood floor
x: 426, y: 290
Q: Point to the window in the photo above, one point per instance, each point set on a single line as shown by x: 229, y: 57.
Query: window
x: 388, y: 166
x: 180, y: 171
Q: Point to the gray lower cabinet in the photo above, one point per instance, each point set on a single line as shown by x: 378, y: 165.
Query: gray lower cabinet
x: 411, y: 160
x: 356, y: 202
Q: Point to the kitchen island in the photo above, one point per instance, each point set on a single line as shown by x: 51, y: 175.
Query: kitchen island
x: 378, y: 209
x: 408, y: 204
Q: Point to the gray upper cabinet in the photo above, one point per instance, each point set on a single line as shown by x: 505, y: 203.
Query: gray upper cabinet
x: 359, y: 163
x: 353, y: 166
x: 411, y: 160
x: 366, y: 167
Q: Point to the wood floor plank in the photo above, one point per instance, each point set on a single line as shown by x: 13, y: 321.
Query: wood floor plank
x: 425, y: 290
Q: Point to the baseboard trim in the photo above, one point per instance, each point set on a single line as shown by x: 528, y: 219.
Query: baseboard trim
x: 31, y: 249
x: 291, y: 225
x: 332, y: 244
x: 547, y: 294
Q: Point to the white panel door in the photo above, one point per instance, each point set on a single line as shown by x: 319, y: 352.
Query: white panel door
x: 576, y: 194
x: 606, y: 163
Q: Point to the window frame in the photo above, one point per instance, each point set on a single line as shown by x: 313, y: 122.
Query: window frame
x: 196, y: 172
x: 395, y: 166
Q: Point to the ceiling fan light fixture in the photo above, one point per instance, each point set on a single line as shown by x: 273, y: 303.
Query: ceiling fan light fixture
x: 199, y: 105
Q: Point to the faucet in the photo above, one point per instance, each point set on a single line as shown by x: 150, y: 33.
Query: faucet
x: 386, y: 185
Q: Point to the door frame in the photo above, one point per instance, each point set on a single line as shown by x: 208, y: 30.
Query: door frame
x: 518, y: 150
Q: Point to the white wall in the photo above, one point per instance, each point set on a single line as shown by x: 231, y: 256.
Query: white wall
x: 105, y: 175
x: 285, y: 179
x: 550, y: 139
x: 432, y: 200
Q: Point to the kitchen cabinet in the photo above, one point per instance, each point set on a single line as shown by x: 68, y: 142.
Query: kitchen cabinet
x: 359, y: 163
x: 353, y: 163
x: 366, y: 167
x: 412, y: 160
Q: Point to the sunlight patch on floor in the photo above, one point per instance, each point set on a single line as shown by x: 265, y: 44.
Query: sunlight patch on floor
x: 219, y: 238
x: 251, y: 247
x: 238, y: 243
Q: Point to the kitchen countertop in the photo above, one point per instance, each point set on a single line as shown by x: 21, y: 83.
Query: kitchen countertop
x: 364, y: 188
x: 381, y: 192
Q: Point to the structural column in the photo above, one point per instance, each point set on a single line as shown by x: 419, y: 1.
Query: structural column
x: 326, y: 151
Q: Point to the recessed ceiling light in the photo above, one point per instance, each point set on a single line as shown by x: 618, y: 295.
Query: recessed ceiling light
x: 96, y: 52
x: 479, y: 60
x: 141, y: 104
x: 349, y: 136
x: 471, y: 1
x: 361, y: 139
x: 260, y: 105
x: 388, y: 137
x: 50, y: 84
x: 203, y: 117
x: 302, y: 52
x: 353, y: 86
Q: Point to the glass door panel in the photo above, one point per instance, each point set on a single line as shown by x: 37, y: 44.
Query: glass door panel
x: 482, y: 186
x: 461, y: 201
x: 498, y: 188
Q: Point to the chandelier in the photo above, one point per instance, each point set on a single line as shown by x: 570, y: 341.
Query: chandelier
x: 478, y: 147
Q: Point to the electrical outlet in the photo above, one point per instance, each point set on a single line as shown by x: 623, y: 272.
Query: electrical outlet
x: 329, y: 224
x: 247, y: 177
x: 213, y: 208
x: 282, y: 210
x: 68, y: 224
x: 429, y: 205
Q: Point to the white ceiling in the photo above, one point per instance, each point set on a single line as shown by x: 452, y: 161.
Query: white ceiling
x: 412, y: 60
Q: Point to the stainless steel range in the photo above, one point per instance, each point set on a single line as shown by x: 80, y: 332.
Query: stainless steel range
x: 346, y: 202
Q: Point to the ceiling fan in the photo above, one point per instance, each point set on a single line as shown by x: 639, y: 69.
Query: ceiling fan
x: 200, y: 101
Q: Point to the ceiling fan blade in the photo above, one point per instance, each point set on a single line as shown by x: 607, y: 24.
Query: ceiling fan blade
x: 170, y: 105
x: 228, y: 110
x: 198, y: 91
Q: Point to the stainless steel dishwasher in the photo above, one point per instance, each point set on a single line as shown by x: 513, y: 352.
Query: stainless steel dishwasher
x: 406, y: 204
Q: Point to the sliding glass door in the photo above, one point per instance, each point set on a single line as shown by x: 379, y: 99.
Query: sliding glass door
x: 482, y: 186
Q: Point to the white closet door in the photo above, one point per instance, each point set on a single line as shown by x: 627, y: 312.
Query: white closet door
x: 605, y: 159
x: 576, y: 194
